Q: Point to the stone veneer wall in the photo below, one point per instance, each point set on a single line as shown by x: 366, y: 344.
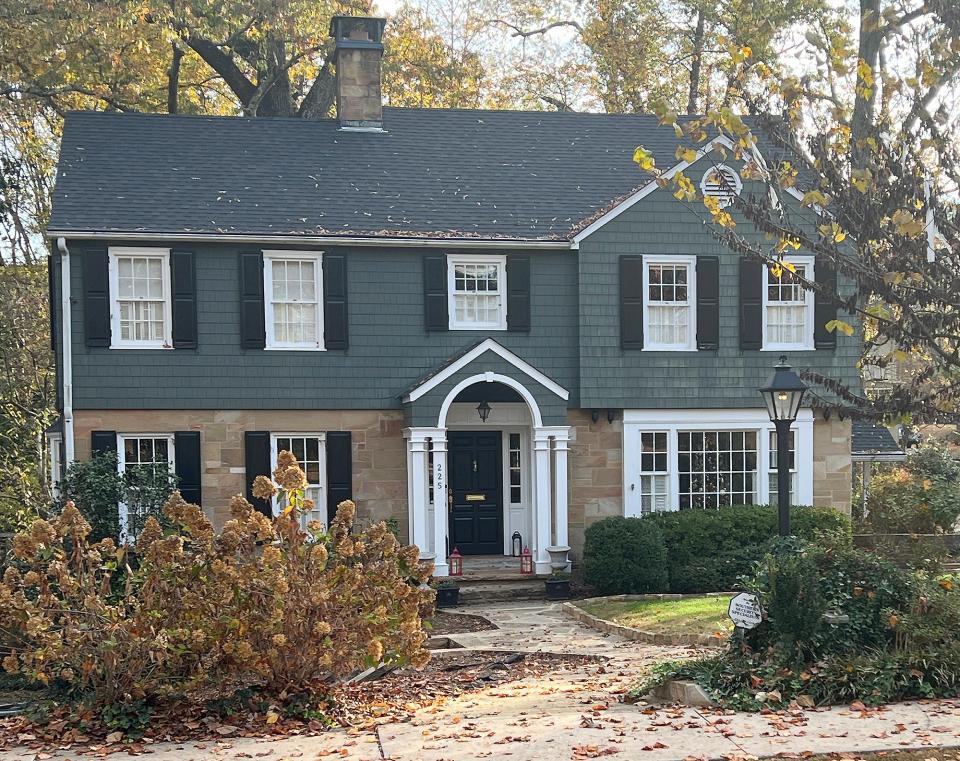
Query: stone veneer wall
x: 596, y: 473
x: 379, y: 450
x: 832, y: 465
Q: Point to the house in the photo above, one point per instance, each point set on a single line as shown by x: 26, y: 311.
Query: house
x: 494, y: 312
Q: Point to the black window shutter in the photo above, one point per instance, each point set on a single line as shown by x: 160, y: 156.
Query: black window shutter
x: 708, y: 302
x: 52, y: 300
x: 252, y: 331
x: 518, y: 293
x: 435, y: 292
x: 186, y: 453
x: 825, y: 308
x: 631, y: 302
x: 335, y: 333
x: 96, y: 297
x: 183, y: 279
x: 339, y: 470
x: 103, y: 442
x: 256, y: 459
x: 752, y: 273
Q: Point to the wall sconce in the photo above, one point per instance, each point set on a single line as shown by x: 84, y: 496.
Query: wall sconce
x: 595, y: 415
x: 611, y: 415
x: 483, y: 409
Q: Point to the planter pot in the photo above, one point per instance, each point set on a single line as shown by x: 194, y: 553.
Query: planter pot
x: 448, y: 597
x: 558, y: 558
x: 557, y: 589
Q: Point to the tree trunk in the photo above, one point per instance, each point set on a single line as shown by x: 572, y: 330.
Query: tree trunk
x: 173, y: 79
x: 696, y: 63
x: 864, y: 107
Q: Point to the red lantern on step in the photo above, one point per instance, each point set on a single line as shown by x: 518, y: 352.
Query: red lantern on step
x: 456, y: 563
x: 526, y: 562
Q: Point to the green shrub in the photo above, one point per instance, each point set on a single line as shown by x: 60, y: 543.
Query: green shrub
x: 922, y: 497
x: 97, y: 487
x: 625, y: 556
x: 709, y: 550
x: 900, y: 640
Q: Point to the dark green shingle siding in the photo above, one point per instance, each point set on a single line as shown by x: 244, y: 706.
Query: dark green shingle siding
x: 389, y: 348
x: 726, y: 377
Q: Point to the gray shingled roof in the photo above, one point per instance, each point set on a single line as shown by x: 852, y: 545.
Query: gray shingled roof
x: 460, y: 173
x: 869, y: 439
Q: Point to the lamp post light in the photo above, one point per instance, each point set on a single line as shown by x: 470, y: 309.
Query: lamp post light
x: 783, y: 394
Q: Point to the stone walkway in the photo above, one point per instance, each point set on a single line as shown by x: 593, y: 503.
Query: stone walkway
x: 575, y: 713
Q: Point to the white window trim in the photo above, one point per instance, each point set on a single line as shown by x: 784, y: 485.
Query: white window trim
x: 55, y: 462
x: 672, y: 421
x: 808, y: 300
x: 275, y: 452
x: 691, y: 263
x: 113, y: 272
x: 269, y: 256
x: 122, y: 466
x: 501, y: 263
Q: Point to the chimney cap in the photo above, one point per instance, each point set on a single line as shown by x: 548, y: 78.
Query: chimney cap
x: 342, y: 28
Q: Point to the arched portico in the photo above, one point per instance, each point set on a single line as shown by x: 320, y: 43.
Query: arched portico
x: 523, y: 440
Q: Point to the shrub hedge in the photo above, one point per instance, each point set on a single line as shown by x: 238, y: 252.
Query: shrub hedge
x: 625, y: 556
x: 702, y: 550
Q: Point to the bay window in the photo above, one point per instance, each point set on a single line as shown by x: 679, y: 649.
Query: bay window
x: 705, y: 459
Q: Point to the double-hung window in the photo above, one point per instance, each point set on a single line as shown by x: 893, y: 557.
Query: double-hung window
x: 293, y: 299
x: 310, y: 451
x: 150, y: 454
x: 140, y: 312
x: 654, y: 472
x: 669, y: 313
x: 477, y: 292
x: 788, y: 306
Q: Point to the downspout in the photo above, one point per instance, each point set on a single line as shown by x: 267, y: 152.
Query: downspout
x: 66, y: 351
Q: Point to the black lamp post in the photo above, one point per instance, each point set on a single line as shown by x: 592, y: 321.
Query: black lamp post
x: 783, y: 394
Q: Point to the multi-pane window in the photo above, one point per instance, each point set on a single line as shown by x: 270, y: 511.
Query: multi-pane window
x: 294, y: 294
x: 148, y: 456
x: 654, y: 473
x: 477, y: 293
x: 773, y: 467
x: 309, y: 449
x: 140, y: 291
x: 716, y: 468
x: 788, y: 307
x: 515, y: 467
x: 669, y: 304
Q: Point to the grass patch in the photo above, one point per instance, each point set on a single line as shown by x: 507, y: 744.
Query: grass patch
x: 692, y: 615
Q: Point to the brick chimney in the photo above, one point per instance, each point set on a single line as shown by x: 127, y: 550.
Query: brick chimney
x: 359, y: 48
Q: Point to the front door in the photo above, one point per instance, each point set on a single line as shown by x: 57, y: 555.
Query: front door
x: 476, y: 482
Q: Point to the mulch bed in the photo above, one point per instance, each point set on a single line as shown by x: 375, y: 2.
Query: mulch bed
x: 444, y: 623
x: 362, y: 706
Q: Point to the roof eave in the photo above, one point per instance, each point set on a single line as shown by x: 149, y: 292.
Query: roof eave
x: 390, y: 241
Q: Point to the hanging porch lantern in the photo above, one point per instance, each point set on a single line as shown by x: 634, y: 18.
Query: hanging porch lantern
x: 516, y: 544
x: 456, y: 563
x: 526, y: 562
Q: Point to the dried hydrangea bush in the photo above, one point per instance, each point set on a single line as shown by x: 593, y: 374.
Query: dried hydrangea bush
x: 192, y: 614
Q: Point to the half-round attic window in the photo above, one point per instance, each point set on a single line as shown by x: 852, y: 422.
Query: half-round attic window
x: 722, y: 183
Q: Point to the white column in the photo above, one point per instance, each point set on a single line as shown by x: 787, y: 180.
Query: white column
x: 543, y: 499
x: 417, y: 493
x: 439, y: 437
x: 560, y: 487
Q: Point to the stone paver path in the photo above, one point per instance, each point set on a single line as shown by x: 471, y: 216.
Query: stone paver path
x: 574, y: 713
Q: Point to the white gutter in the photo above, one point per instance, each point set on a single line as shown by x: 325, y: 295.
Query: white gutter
x: 66, y: 349
x: 321, y: 240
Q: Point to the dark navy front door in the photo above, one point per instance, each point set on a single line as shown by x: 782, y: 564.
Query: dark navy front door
x: 476, y: 482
